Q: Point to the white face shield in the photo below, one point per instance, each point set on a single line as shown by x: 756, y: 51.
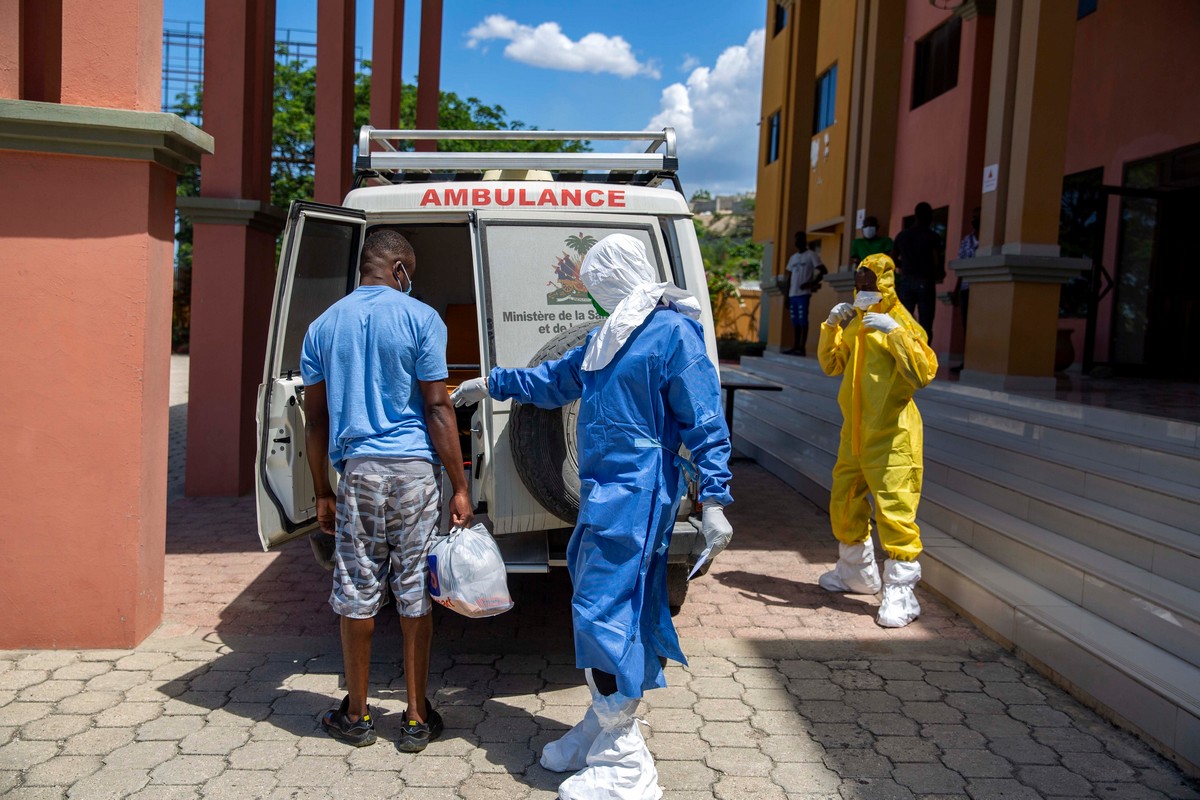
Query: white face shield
x: 619, y: 277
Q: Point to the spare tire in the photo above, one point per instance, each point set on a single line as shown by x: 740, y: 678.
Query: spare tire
x: 544, y: 443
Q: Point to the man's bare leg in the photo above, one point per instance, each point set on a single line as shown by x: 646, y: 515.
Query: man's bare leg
x: 356, y: 655
x: 418, y: 640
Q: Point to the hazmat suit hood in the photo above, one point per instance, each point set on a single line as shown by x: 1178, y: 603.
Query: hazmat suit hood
x: 622, y: 281
x: 885, y: 279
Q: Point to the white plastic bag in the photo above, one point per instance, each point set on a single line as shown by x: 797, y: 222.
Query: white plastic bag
x: 466, y: 573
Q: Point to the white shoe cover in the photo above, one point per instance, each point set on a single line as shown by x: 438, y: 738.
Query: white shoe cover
x: 619, y: 765
x: 855, y: 571
x: 900, y: 605
x: 569, y: 752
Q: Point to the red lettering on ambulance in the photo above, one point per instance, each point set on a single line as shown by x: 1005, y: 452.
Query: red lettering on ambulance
x: 525, y: 201
x: 480, y: 197
x: 572, y: 197
x: 599, y: 197
x: 456, y: 197
x: 547, y: 198
x: 616, y: 198
x: 501, y: 200
x: 430, y: 198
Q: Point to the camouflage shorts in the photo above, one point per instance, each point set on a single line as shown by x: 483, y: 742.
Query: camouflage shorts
x: 387, y: 516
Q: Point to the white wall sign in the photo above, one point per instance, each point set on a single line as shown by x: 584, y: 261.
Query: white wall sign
x: 991, y: 174
x: 859, y: 217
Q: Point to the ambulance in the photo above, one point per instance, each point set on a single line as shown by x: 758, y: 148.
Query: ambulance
x: 499, y: 238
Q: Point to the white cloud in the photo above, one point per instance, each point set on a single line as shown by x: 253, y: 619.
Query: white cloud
x: 547, y: 46
x: 690, y: 62
x: 715, y: 116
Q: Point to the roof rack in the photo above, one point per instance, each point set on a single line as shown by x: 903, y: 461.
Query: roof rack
x: 377, y: 153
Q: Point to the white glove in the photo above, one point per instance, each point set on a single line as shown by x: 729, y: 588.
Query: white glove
x: 716, y: 531
x: 470, y: 392
x: 842, y: 312
x: 880, y: 322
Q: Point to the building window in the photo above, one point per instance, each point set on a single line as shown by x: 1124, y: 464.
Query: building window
x: 825, y: 100
x: 772, y: 148
x: 935, y: 70
x: 780, y: 19
x: 1085, y: 7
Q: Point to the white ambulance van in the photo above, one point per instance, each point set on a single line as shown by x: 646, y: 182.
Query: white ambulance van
x: 499, y: 239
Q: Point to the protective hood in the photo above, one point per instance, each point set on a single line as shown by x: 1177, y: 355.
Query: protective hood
x: 885, y: 279
x: 621, y: 279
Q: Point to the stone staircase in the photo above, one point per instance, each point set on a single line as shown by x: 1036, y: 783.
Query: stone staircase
x: 1070, y: 533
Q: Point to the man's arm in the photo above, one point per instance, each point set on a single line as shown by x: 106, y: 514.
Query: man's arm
x: 316, y: 442
x: 443, y: 432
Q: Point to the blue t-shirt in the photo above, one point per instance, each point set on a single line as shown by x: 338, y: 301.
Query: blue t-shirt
x: 370, y: 348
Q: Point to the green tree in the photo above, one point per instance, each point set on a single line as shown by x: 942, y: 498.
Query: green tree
x: 292, y: 158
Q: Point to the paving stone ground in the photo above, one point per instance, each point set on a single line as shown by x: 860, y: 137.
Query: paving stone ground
x: 788, y: 693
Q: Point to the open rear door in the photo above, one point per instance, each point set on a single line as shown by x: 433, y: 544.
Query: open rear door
x: 527, y: 281
x: 317, y: 267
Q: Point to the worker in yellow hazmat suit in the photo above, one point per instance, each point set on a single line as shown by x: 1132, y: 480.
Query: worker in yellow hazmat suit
x: 882, y: 354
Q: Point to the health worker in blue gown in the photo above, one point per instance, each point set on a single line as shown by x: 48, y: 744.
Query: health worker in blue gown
x: 646, y: 387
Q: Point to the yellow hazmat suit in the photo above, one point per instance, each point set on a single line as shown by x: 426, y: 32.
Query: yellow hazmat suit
x: 880, y: 448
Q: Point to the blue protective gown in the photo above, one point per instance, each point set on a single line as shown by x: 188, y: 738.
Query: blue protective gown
x: 659, y: 392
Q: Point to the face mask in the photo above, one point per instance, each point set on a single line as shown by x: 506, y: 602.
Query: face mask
x: 864, y: 300
x: 407, y: 280
x: 869, y: 232
x: 599, y: 308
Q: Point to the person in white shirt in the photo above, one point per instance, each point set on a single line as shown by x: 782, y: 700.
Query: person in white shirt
x: 806, y: 270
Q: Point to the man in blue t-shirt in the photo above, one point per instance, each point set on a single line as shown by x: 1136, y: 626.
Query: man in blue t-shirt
x: 374, y: 369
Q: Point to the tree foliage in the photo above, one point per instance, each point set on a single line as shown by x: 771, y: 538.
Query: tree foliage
x: 292, y: 158
x: 730, y: 259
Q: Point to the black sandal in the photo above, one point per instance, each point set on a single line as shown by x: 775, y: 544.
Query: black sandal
x: 337, y: 724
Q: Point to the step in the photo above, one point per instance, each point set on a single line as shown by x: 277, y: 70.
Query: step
x: 1163, y: 612
x: 1147, y: 688
x: 1169, y: 552
x: 1155, y: 446
x: 1170, y: 502
x: 1159, y: 611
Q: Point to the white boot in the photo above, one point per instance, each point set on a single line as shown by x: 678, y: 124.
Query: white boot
x: 855, y: 571
x: 619, y: 765
x: 569, y: 752
x: 899, y: 606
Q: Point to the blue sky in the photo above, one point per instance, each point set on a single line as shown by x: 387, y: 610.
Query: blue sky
x: 599, y: 66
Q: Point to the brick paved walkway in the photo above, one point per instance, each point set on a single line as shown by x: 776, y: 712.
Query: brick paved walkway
x: 789, y: 692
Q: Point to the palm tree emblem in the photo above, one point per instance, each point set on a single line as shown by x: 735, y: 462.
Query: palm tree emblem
x: 581, y: 243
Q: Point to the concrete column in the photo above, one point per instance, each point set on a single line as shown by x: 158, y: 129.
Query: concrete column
x: 85, y: 317
x: 112, y: 53
x: 386, y: 75
x: 1015, y: 282
x: 334, y: 131
x: 429, y: 70
x: 874, y: 110
x: 234, y: 248
x: 10, y: 49
x: 796, y: 124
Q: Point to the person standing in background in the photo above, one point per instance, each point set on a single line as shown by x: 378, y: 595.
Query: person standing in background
x: 806, y: 270
x: 870, y: 243
x: 920, y: 267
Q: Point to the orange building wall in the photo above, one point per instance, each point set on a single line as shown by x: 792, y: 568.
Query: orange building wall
x: 1134, y: 84
x: 827, y: 180
x: 932, y: 149
x: 86, y: 332
x: 774, y: 91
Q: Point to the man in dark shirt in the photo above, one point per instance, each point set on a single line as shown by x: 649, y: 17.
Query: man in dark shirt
x: 919, y: 267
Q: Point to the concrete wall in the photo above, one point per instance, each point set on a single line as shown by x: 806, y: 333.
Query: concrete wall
x: 86, y: 326
x: 932, y: 149
x: 1134, y: 83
